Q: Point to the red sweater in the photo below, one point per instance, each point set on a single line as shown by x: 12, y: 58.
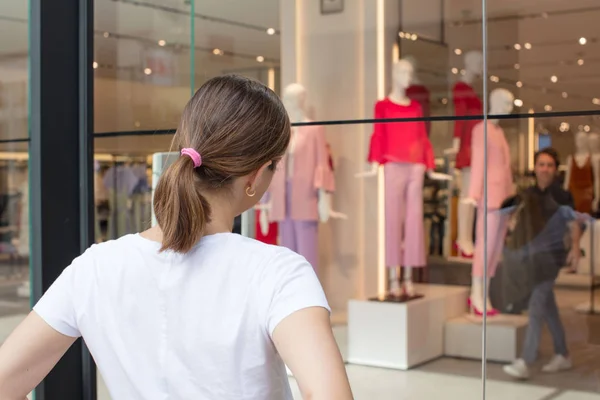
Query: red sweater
x: 420, y: 94
x: 400, y: 142
x: 466, y: 102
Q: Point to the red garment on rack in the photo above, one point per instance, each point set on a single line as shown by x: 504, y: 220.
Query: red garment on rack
x: 271, y: 236
x: 420, y: 94
x: 466, y: 102
x: 400, y: 142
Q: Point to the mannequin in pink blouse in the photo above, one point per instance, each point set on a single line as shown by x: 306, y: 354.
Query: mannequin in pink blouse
x: 405, y: 152
x: 499, y: 187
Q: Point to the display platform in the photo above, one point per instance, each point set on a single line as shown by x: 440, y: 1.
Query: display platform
x: 566, y: 279
x: 403, y: 335
x: 397, y: 299
x: 505, y: 333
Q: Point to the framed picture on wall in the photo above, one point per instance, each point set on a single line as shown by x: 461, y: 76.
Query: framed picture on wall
x: 332, y: 6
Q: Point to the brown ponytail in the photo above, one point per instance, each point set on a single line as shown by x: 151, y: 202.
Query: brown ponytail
x: 237, y: 125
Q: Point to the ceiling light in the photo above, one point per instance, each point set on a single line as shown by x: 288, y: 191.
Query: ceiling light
x: 458, y: 52
x: 548, y: 107
x: 564, y: 126
x: 147, y: 71
x: 565, y: 95
x: 582, y: 41
x: 586, y: 128
x: 401, y: 34
x: 519, y: 84
x: 596, y: 101
x: 580, y: 62
x: 517, y: 46
x: 260, y: 59
x: 162, y: 43
x: 270, y: 31
x: 580, y: 127
x: 544, y: 15
x: 518, y: 102
x: 106, y: 34
x: 553, y: 79
x: 137, y: 124
x: 414, y: 37
x: 517, y: 66
x: 218, y: 52
x: 455, y: 71
x: 494, y: 78
x: 527, y: 46
x: 95, y: 65
x: 444, y: 101
x: 463, y: 72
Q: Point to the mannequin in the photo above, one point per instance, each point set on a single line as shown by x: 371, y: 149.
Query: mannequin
x: 406, y: 153
x: 466, y: 103
x: 419, y: 93
x: 594, y: 143
x: 292, y: 200
x: 579, y: 179
x: 500, y: 186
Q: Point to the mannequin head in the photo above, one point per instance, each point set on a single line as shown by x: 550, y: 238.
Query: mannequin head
x: 473, y: 65
x: 581, y: 142
x: 402, y: 74
x: 594, y: 143
x: 294, y: 98
x: 413, y: 61
x: 501, y: 102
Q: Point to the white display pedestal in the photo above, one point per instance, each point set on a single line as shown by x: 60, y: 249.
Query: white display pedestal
x: 505, y: 334
x: 403, y: 335
x: 585, y: 243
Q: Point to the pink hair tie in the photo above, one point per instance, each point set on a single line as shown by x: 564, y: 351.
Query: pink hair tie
x: 193, y: 154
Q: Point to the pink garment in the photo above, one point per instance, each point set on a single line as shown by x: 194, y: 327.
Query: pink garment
x: 496, y: 231
x: 311, y: 173
x: 404, y: 231
x: 499, y: 174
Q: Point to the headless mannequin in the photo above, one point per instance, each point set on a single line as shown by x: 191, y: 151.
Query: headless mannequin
x: 466, y: 212
x: 594, y: 143
x: 294, y: 99
x: 580, y: 158
x: 402, y: 76
x: 501, y: 103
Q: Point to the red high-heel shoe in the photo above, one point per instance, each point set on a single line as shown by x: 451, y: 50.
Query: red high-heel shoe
x: 460, y: 251
x: 490, y: 313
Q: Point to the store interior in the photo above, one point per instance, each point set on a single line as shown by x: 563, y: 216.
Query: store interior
x: 150, y: 55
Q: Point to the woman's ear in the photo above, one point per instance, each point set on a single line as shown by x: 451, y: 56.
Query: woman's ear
x: 255, y: 177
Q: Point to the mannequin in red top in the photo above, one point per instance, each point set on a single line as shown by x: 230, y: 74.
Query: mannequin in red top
x: 405, y: 152
x: 466, y: 103
x: 419, y: 93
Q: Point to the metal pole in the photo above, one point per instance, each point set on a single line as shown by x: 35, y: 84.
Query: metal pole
x: 485, y: 192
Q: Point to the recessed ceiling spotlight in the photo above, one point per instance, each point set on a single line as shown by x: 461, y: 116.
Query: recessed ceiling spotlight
x: 463, y: 72
x: 544, y: 15
x: 565, y: 95
x: 517, y: 46
x: 580, y: 62
x: 458, y: 52
x: 137, y: 124
x: 596, y: 101
x: 106, y: 34
x: 95, y: 65
x: 218, y: 52
x: 270, y: 31
x: 553, y: 79
x: 586, y: 128
x: 444, y: 101
x: 517, y: 66
x: 519, y: 84
x: 518, y: 102
x: 401, y: 34
x: 582, y: 41
x: 162, y: 43
x: 147, y: 71
x: 564, y: 127
x: 455, y: 71
x: 260, y: 59
x: 413, y: 37
x: 527, y: 46
x: 548, y: 107
x: 494, y: 78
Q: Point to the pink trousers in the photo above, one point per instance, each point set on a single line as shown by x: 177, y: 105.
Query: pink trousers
x: 404, y: 231
x: 497, y: 225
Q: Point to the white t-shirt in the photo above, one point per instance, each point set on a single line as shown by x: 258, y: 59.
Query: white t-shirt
x: 195, y: 326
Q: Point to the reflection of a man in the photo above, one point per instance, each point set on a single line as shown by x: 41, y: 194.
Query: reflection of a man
x: 544, y: 237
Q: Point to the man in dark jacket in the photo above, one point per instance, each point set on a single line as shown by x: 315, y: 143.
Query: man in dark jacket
x: 544, y: 237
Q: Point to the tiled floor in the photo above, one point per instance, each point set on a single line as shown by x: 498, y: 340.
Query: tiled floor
x: 449, y: 378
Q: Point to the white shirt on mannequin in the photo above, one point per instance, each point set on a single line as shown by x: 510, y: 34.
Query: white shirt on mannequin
x: 193, y: 326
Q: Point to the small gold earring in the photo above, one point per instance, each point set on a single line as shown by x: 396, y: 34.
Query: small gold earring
x: 248, y: 192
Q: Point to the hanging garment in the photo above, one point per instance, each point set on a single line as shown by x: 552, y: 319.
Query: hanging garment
x: 466, y: 103
x: 581, y: 185
x: 309, y: 173
x: 272, y: 234
x: 400, y: 142
x: 404, y: 220
x: 420, y: 94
